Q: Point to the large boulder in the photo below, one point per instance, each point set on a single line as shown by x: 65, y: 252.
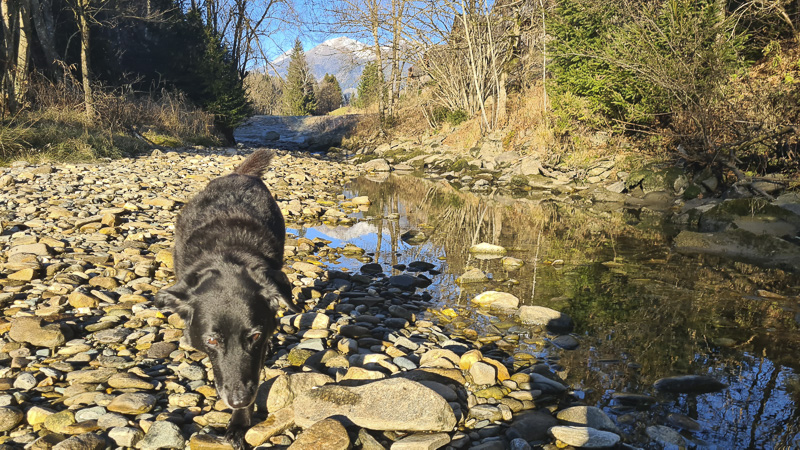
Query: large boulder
x: 389, y: 404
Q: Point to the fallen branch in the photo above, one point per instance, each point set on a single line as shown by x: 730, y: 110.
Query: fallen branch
x: 141, y: 137
x: 736, y: 147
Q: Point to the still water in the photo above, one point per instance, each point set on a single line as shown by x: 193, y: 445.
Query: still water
x: 642, y: 311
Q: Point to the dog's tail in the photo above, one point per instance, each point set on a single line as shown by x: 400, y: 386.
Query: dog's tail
x: 256, y: 163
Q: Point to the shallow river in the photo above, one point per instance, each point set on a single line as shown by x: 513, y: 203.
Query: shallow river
x: 642, y: 312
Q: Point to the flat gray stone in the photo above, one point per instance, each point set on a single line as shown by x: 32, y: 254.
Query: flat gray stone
x: 430, y: 441
x: 586, y: 416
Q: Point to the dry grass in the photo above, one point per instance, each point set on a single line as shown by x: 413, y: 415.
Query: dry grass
x: 530, y: 124
x: 56, y: 126
x: 464, y: 136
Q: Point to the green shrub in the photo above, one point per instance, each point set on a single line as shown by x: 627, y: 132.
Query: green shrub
x: 442, y: 114
x: 644, y: 62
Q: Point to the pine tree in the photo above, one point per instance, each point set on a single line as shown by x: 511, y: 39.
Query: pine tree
x: 329, y: 95
x: 298, y: 91
x: 225, y: 92
x: 368, y: 86
x: 202, y: 67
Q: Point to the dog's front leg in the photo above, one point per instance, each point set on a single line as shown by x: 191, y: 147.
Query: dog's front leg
x: 240, y: 423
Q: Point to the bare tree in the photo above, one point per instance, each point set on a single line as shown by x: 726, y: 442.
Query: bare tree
x: 397, y: 21
x: 265, y: 91
x: 470, y: 48
x: 106, y: 13
x: 83, y: 14
x: 245, y: 24
x: 17, y: 34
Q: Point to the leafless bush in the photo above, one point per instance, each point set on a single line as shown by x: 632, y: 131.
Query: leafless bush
x: 265, y: 92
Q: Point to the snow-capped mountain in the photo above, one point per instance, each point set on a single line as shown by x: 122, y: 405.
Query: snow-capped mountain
x: 342, y: 57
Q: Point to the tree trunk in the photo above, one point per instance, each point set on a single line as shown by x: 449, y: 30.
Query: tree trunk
x: 502, y: 99
x: 83, y: 24
x: 16, y: 26
x: 23, y: 54
x: 7, y: 9
x: 42, y: 13
x: 473, y: 65
x: 381, y: 81
x: 395, y: 55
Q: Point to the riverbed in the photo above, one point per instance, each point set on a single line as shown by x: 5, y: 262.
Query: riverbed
x: 642, y: 311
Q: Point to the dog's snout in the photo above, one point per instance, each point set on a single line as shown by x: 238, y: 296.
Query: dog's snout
x: 240, y: 396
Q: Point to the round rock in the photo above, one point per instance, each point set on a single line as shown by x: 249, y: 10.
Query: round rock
x: 10, y: 417
x: 162, y: 434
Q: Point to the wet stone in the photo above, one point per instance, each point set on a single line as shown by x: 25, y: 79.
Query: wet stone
x: 531, y: 426
x: 665, y: 436
x: 566, y: 342
x: 587, y: 416
x: 584, y: 437
x: 697, y: 384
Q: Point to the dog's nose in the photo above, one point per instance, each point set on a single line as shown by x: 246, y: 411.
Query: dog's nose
x: 238, y: 399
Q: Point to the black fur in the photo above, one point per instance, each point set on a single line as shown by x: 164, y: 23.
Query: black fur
x: 228, y: 256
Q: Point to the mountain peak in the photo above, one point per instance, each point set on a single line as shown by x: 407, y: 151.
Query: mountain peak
x: 342, y: 57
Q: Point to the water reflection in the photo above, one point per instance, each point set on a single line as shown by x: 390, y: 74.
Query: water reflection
x: 641, y: 311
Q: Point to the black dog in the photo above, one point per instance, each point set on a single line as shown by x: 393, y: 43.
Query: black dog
x: 228, y: 257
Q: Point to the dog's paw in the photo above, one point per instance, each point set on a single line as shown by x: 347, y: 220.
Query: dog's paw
x: 235, y: 437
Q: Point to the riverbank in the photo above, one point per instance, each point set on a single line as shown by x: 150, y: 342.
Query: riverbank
x: 86, y: 246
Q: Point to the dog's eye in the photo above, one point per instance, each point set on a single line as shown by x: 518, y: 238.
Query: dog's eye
x: 212, y: 341
x: 255, y: 337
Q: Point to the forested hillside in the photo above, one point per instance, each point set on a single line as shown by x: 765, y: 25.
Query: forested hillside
x: 84, y: 78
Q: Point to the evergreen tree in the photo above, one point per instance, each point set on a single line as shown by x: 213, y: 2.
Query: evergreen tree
x: 298, y: 91
x: 225, y: 95
x: 368, y: 86
x: 329, y: 95
x: 202, y: 67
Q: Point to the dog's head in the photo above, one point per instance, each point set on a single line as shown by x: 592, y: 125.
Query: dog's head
x: 229, y: 310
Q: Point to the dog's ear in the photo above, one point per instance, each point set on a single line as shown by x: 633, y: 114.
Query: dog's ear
x: 176, y: 299
x: 276, y: 288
